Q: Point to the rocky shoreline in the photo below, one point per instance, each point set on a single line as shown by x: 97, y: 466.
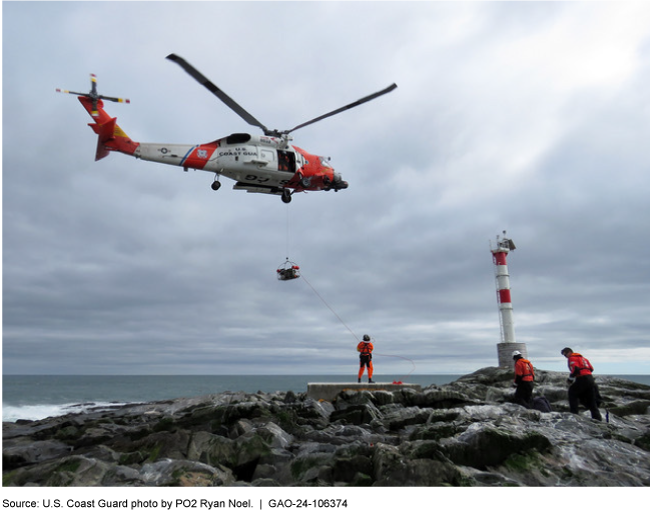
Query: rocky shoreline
x: 466, y: 433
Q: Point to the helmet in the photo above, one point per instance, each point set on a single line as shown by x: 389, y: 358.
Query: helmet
x: 566, y: 350
x: 516, y: 354
x: 366, y: 338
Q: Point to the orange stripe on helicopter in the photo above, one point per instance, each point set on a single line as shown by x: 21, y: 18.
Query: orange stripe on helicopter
x: 199, y: 156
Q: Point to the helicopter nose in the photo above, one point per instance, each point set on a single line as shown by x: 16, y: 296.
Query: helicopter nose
x: 339, y: 184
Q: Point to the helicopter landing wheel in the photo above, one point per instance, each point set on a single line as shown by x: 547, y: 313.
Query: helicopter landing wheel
x: 215, y: 185
x: 286, y: 196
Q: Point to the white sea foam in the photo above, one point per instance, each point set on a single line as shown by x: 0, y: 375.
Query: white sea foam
x: 12, y: 413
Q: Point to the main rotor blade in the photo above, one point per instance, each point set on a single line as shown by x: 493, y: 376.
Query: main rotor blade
x: 344, y: 108
x: 231, y: 103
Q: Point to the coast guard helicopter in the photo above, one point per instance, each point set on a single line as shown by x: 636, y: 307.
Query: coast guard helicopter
x: 259, y: 164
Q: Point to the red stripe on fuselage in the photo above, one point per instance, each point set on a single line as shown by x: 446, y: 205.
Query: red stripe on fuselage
x: 200, y: 155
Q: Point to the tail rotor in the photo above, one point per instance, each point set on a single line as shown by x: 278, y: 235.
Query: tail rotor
x: 94, y: 96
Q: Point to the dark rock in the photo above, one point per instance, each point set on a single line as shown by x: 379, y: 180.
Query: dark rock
x: 466, y: 433
x: 491, y: 446
x: 356, y: 414
x: 171, y: 472
x: 24, y: 452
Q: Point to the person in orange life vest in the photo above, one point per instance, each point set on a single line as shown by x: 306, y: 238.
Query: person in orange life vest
x: 582, y: 386
x: 365, y: 348
x: 524, y: 378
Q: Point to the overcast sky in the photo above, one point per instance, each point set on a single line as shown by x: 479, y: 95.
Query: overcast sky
x: 528, y: 117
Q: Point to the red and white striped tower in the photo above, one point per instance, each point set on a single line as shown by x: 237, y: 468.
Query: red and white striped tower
x: 504, y: 299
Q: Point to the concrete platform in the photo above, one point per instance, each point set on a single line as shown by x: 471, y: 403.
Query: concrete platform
x: 328, y: 391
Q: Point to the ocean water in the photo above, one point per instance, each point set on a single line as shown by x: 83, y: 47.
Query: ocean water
x: 37, y: 397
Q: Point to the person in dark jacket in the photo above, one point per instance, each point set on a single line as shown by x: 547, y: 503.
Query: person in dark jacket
x: 582, y: 386
x: 524, y: 378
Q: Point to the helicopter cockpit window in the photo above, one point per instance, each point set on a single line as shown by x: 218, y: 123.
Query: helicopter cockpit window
x: 324, y: 161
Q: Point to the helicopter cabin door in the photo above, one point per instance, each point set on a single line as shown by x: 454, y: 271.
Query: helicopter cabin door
x: 286, y: 161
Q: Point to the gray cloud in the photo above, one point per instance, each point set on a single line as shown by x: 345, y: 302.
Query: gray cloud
x: 526, y: 117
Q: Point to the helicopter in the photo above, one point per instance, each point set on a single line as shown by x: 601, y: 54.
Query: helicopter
x: 266, y: 163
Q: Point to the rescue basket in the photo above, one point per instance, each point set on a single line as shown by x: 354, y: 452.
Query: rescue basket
x: 288, y: 270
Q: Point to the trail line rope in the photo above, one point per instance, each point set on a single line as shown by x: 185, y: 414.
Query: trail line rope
x: 350, y: 330
x: 332, y: 310
x: 403, y: 358
x: 328, y: 306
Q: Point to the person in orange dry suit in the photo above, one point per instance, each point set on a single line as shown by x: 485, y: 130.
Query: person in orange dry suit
x: 524, y: 378
x: 365, y: 348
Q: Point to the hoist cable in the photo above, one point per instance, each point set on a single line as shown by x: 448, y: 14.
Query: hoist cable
x: 287, y: 232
